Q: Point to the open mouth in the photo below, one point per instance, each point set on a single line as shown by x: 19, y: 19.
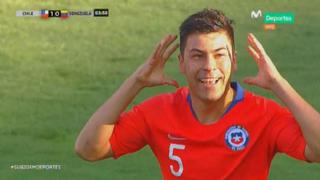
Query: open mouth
x: 210, y: 81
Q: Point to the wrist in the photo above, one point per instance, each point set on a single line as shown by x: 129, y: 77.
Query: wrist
x: 134, y: 83
x: 278, y: 84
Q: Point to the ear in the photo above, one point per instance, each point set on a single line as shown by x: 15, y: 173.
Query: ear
x: 234, y: 62
x: 181, y: 63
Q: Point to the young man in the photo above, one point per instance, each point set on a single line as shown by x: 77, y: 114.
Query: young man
x: 212, y: 129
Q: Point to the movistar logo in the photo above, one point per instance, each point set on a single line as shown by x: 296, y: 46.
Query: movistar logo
x: 256, y: 14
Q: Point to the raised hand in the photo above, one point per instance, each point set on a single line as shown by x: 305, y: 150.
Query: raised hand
x: 151, y: 73
x: 268, y: 73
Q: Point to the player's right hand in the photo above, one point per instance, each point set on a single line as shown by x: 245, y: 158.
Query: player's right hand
x: 151, y: 73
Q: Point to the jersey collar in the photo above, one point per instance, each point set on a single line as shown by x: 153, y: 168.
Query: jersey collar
x: 239, y: 97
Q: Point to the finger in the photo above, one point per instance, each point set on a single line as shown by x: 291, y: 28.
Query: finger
x: 155, y: 54
x: 167, y: 41
x: 169, y: 52
x: 253, y: 41
x: 250, y: 80
x: 254, y: 54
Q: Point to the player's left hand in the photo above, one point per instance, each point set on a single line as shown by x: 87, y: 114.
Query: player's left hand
x: 268, y: 74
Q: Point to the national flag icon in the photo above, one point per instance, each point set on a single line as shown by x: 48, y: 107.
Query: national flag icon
x: 236, y: 138
x: 44, y: 14
x: 64, y: 14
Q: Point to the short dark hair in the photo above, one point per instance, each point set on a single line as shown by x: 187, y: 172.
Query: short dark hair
x: 206, y: 21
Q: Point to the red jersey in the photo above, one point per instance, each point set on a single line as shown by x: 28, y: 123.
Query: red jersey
x: 240, y: 145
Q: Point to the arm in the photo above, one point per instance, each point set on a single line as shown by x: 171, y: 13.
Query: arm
x: 93, y: 141
x: 269, y: 78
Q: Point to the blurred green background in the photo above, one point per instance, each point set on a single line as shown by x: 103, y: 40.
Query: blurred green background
x: 55, y: 73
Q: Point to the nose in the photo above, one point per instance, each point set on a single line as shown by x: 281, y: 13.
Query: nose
x: 210, y: 63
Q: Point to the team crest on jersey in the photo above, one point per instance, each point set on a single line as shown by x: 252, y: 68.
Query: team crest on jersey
x: 236, y: 137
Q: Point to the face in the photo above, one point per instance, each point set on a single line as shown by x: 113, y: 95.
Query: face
x: 207, y: 63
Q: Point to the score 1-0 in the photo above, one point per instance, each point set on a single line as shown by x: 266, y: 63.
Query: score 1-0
x: 54, y: 13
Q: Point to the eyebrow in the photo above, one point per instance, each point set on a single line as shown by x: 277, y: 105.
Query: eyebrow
x: 215, y: 50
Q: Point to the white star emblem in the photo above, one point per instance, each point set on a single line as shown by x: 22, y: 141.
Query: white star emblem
x: 237, y: 138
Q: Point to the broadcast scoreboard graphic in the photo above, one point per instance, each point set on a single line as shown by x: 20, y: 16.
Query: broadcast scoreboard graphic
x: 63, y: 13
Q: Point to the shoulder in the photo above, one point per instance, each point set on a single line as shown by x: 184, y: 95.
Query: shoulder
x: 262, y: 103
x: 267, y: 114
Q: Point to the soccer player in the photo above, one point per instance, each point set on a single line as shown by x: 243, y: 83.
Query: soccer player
x: 212, y: 129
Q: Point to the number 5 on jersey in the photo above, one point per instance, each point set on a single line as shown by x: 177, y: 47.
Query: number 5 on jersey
x: 176, y: 158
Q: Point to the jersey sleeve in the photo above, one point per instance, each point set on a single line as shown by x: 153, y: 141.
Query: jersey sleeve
x: 130, y: 133
x: 288, y: 137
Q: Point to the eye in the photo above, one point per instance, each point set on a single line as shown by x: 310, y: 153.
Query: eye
x: 220, y: 55
x: 196, y: 56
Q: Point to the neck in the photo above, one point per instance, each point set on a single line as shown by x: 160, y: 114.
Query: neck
x: 209, y: 112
